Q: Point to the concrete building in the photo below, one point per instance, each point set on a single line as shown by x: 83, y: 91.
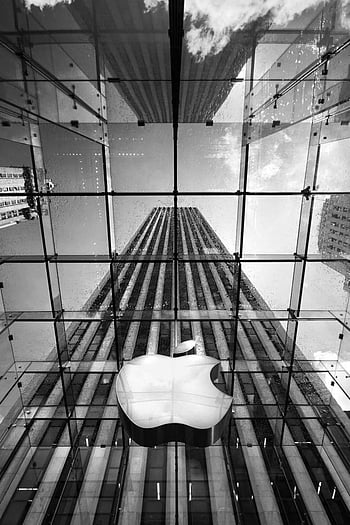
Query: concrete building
x: 13, y: 208
x: 334, y: 235
x: 282, y: 459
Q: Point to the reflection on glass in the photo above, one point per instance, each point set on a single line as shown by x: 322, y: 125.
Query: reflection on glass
x: 333, y: 168
x: 211, y: 154
x: 330, y: 237
x: 277, y: 162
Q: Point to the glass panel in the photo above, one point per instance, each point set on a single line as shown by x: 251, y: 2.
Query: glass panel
x: 39, y: 347
x: 335, y: 90
x: 79, y: 224
x: 135, y: 40
x: 13, y: 90
x: 118, y: 108
x: 20, y: 232
x: 265, y: 218
x: 329, y: 230
x: 211, y: 154
x: 333, y: 162
x: 219, y: 213
x: 73, y: 164
x: 231, y: 110
x: 323, y: 288
x: 9, y: 393
x: 7, y: 21
x: 7, y: 358
x: 19, y: 224
x: 289, y: 62
x: 329, y: 237
x: 80, y: 282
x: 136, y: 164
x: 277, y: 162
x: 129, y: 215
x: 51, y: 20
x: 25, y: 287
x: 266, y: 285
x: 319, y: 341
x: 72, y: 63
x: 334, y: 129
x: 59, y: 105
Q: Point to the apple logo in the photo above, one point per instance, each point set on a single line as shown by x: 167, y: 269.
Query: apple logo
x: 164, y: 399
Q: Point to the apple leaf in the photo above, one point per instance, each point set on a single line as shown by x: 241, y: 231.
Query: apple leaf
x: 185, y: 346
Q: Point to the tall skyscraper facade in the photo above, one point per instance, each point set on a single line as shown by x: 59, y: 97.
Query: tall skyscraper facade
x: 283, y: 457
x: 136, y: 45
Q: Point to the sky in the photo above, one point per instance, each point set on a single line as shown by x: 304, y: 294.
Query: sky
x: 212, y: 22
x: 209, y: 160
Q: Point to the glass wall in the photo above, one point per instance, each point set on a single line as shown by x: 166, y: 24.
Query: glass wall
x: 167, y: 178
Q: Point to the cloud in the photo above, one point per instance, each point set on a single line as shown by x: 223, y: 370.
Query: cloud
x: 228, y: 149
x: 271, y: 169
x: 44, y: 3
x: 213, y: 21
x: 152, y: 4
x: 345, y: 14
x: 328, y: 355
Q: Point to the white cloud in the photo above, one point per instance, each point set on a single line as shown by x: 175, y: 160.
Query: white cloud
x: 229, y: 150
x: 328, y: 355
x: 152, y: 4
x: 44, y: 3
x: 345, y: 16
x: 271, y: 169
x: 213, y: 21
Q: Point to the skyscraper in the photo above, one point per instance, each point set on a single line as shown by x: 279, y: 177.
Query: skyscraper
x: 136, y: 45
x: 283, y: 458
x: 334, y: 234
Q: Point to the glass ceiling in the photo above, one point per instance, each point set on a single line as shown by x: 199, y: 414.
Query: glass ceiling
x: 119, y: 107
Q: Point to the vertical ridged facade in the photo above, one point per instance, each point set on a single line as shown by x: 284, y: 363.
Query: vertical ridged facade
x: 136, y: 47
x: 284, y: 458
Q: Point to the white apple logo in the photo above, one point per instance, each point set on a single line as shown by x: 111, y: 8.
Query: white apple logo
x: 164, y: 399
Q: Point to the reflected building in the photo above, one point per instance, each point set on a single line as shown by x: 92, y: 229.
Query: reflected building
x: 273, y: 108
x: 16, y: 208
x: 334, y: 235
x: 65, y: 458
x: 136, y: 45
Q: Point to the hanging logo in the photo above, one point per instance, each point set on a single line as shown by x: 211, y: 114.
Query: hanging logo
x: 164, y: 399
